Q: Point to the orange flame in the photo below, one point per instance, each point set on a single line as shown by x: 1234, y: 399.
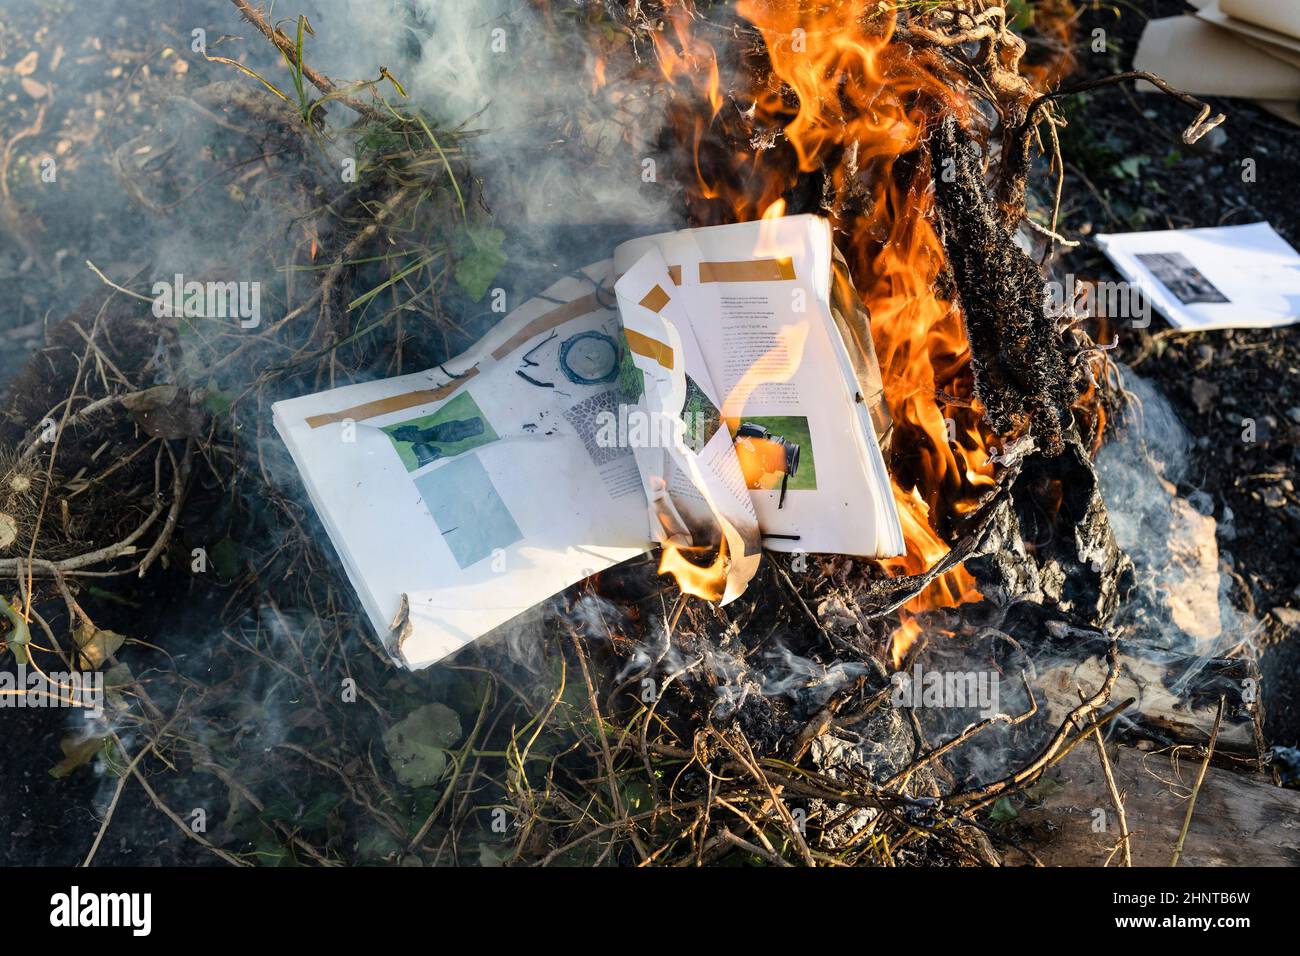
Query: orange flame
x: 1054, y: 21
x: 777, y: 364
x: 703, y: 581
x: 844, y: 104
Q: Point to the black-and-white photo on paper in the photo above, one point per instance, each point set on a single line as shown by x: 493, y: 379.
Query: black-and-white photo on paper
x: 1176, y: 272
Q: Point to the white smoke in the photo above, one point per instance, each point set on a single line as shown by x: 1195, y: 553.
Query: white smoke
x: 551, y: 149
x: 1171, y: 538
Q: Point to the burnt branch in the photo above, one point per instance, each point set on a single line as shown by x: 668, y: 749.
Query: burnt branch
x: 1023, y: 376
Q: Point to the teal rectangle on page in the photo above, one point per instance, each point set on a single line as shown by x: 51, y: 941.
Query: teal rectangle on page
x: 464, y: 503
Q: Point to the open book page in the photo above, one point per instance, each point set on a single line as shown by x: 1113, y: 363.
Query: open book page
x: 689, y: 467
x: 757, y: 295
x: 440, y: 495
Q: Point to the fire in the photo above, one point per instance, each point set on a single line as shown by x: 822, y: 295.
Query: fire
x: 704, y: 581
x: 1054, y: 21
x: 843, y: 108
x: 775, y: 365
x: 691, y: 58
x: 774, y: 211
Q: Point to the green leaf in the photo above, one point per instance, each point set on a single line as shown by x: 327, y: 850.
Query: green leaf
x: 318, y: 811
x: 1003, y: 811
x: 278, y: 810
x: 106, y: 595
x: 481, y: 258
x: 1130, y: 167
x: 20, y: 636
x: 224, y: 556
x: 216, y: 401
x: 378, y: 846
x: 294, y: 814
x: 1020, y: 15
x: 636, y: 795
x: 417, y: 745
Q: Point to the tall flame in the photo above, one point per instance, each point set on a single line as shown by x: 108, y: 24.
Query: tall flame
x: 843, y: 108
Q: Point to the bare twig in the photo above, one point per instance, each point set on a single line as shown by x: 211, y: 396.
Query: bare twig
x: 1115, y: 798
x: 1200, y: 779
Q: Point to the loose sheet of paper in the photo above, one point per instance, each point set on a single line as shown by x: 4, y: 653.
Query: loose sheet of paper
x: 1228, y: 277
x: 1193, y: 55
x: 1280, y: 16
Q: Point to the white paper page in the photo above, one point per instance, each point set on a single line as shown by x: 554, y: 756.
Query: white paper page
x: 460, y: 511
x: 689, y: 467
x: 1229, y: 277
x: 758, y: 298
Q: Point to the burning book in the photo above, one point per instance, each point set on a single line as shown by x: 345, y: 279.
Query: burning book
x: 705, y: 390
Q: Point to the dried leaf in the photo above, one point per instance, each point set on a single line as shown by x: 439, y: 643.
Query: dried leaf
x: 8, y: 530
x: 164, y: 411
x: 76, y: 752
x: 417, y: 745
x: 150, y: 399
x: 1044, y: 788
x: 116, y: 678
x: 97, y: 645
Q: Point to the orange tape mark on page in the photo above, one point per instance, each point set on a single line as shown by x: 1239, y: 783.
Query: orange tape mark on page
x: 395, y: 403
x: 652, y: 349
x: 548, y: 321
x: 748, y: 270
x: 655, y: 299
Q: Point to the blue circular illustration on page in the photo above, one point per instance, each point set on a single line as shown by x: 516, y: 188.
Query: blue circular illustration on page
x: 589, y: 358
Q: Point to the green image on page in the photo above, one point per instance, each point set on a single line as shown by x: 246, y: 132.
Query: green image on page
x: 457, y: 427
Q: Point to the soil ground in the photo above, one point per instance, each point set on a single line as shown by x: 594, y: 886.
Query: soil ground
x: 1128, y: 170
